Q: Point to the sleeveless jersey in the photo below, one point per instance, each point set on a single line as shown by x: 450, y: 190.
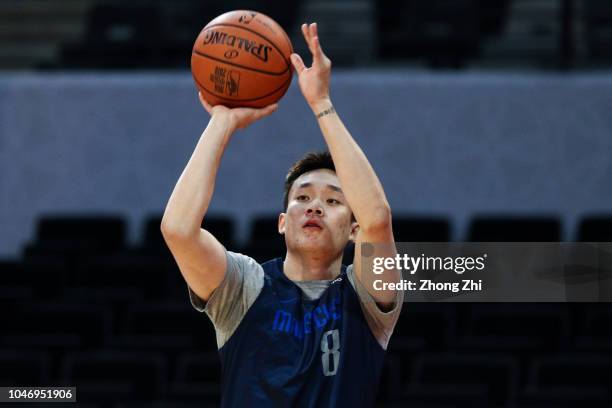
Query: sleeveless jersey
x: 289, y: 351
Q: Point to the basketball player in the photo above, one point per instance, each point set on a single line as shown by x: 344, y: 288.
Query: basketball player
x: 303, y: 331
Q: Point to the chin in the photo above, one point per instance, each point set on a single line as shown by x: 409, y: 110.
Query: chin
x: 327, y: 251
x: 313, y: 245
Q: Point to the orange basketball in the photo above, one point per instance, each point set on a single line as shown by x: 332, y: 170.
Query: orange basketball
x: 241, y: 58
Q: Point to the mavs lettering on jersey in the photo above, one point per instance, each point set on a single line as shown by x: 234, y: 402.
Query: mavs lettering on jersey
x: 286, y: 322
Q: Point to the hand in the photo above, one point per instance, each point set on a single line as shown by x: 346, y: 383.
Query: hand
x: 238, y: 118
x: 314, y: 81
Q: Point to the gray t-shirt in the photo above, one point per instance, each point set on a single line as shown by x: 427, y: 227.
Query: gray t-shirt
x: 244, y: 280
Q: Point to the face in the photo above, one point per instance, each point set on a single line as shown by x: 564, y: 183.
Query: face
x: 318, y: 218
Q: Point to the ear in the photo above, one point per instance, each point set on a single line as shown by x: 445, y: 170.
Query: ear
x: 281, y: 223
x: 354, y: 231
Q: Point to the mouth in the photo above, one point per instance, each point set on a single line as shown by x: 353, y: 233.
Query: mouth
x: 312, y: 224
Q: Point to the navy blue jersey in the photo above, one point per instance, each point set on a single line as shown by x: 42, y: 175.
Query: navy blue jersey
x: 289, y: 351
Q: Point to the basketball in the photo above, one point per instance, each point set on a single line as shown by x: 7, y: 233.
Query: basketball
x: 241, y: 59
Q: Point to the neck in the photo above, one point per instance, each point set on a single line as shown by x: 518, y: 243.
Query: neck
x: 304, y: 267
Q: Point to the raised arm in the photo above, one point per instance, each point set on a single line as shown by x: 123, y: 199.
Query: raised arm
x: 360, y: 185
x: 200, y: 257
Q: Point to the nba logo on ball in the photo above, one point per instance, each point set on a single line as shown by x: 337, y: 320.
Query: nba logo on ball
x: 233, y: 82
x: 241, y: 58
x: 246, y: 18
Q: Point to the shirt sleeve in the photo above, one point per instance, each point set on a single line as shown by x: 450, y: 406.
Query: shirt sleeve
x: 229, y: 302
x: 381, y: 323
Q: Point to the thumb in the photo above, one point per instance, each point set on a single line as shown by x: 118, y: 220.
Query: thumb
x: 205, y: 103
x: 269, y: 109
x: 298, y: 64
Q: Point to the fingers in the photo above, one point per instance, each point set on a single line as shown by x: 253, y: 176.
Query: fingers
x: 312, y: 30
x: 263, y: 112
x: 306, y: 33
x: 298, y: 64
x: 251, y: 115
x: 317, y: 54
x: 311, y: 35
x: 271, y: 108
x: 247, y: 116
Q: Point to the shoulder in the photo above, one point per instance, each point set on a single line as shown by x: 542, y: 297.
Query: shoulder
x: 244, y: 278
x: 241, y: 263
x: 381, y: 322
x: 229, y: 303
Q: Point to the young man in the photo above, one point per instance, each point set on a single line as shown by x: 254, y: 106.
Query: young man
x: 303, y: 330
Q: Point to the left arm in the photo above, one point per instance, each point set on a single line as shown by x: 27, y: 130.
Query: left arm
x: 360, y: 185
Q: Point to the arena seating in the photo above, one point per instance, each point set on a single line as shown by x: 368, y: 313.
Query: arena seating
x: 265, y: 242
x: 445, y: 33
x: 24, y: 367
x: 595, y: 229
x: 514, y: 229
x: 597, y: 19
x: 116, y: 321
x: 421, y: 229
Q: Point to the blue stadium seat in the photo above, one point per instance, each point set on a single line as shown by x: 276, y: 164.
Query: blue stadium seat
x: 124, y: 270
x: 571, y: 370
x: 422, y: 327
x: 42, y: 275
x: 497, y: 373
x: 444, y: 32
x: 594, y: 331
x: 118, y: 36
x: 564, y: 397
x: 163, y: 326
x: 265, y: 242
x: 597, y: 17
x: 114, y: 297
x: 78, y: 235
x: 15, y: 293
x: 105, y: 376
x: 15, y: 283
x: 196, y: 377
x: 420, y: 229
x: 389, y: 387
x: 429, y: 325
x: 513, y: 228
x: 194, y: 367
x: 570, y: 379
x: 164, y: 403
x: 595, y: 228
x: 443, y: 396
x: 55, y: 325
x: 21, y: 367
x: 515, y: 327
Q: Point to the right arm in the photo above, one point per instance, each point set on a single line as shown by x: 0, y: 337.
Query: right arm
x: 200, y: 257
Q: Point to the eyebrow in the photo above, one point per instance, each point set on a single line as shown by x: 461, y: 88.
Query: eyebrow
x: 330, y: 186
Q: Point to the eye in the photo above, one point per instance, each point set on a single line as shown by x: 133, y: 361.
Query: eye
x: 301, y: 197
x: 332, y: 201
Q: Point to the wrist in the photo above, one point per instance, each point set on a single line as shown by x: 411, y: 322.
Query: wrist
x: 321, y: 105
x: 222, y: 112
x: 225, y: 121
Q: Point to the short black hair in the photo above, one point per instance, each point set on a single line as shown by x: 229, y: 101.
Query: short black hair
x: 310, y: 161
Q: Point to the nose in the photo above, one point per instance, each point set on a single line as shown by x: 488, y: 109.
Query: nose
x: 314, y: 207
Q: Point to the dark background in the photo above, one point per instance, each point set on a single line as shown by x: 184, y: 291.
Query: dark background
x: 86, y: 303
